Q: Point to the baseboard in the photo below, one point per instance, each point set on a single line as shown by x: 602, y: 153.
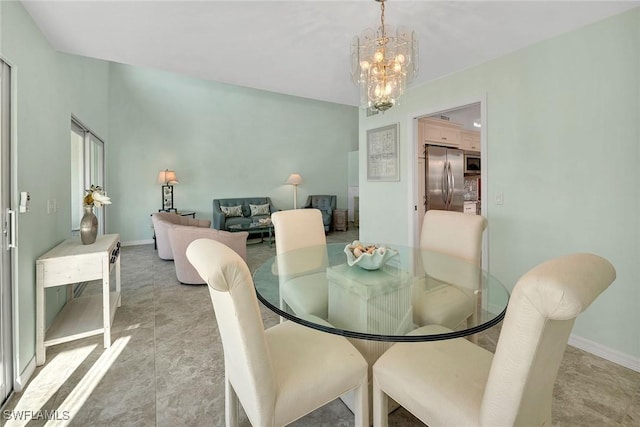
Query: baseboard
x: 22, y: 379
x: 137, y: 242
x: 607, y: 353
x: 615, y: 356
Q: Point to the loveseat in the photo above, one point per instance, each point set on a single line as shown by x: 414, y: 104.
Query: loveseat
x: 239, y: 211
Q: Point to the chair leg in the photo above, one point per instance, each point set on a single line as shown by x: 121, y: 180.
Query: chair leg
x: 231, y: 410
x: 380, y: 406
x: 361, y: 404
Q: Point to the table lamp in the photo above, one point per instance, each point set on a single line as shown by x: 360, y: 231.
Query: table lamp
x: 295, y: 179
x: 168, y: 179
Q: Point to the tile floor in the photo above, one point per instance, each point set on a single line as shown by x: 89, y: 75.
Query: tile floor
x: 165, y: 366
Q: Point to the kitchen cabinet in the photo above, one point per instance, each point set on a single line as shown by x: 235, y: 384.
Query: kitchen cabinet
x: 441, y: 132
x: 470, y: 140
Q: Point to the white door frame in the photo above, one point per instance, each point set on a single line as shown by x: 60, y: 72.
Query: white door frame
x: 412, y: 161
x: 8, y: 293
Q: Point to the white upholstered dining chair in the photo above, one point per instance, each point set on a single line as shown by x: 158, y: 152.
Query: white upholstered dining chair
x: 435, y: 300
x: 456, y: 383
x: 302, y: 260
x: 280, y: 374
x: 453, y: 233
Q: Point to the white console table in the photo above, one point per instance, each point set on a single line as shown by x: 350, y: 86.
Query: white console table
x: 72, y: 262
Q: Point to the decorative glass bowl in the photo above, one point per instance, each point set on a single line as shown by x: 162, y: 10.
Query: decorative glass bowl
x: 368, y: 257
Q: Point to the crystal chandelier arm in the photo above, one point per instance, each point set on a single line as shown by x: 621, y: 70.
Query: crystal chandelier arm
x: 384, y: 35
x: 382, y: 62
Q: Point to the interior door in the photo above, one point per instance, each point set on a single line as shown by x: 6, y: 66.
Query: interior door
x: 471, y: 115
x: 8, y: 239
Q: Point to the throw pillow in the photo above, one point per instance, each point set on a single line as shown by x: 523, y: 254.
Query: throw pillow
x: 230, y: 211
x: 259, y: 209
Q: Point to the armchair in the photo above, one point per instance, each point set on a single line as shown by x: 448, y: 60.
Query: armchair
x: 326, y: 205
x: 162, y: 221
x: 181, y: 237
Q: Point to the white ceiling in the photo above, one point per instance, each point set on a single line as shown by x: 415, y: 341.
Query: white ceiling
x: 301, y: 47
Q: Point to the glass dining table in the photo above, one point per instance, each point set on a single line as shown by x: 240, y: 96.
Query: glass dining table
x: 316, y: 287
x: 414, y: 295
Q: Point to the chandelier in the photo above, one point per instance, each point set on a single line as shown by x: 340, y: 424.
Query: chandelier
x: 382, y: 63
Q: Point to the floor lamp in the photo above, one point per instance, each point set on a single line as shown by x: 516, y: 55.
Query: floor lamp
x: 295, y: 179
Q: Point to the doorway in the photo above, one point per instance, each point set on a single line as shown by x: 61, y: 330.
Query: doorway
x: 8, y: 239
x: 87, y: 168
x: 461, y: 132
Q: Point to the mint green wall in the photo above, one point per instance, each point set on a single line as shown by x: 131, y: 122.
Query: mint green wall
x: 48, y: 88
x: 222, y: 141
x: 563, y: 146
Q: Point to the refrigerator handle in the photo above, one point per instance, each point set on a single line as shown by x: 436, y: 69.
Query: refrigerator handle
x: 445, y: 185
x: 452, y: 185
x: 448, y: 185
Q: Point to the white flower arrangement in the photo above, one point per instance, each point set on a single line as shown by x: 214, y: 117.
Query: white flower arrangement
x: 95, y: 197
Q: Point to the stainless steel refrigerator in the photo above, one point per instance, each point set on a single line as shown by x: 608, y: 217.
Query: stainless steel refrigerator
x: 444, y: 178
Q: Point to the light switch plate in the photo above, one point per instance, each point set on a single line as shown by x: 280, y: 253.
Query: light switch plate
x: 25, y: 197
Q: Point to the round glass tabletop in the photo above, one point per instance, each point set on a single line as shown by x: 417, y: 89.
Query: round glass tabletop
x: 397, y: 294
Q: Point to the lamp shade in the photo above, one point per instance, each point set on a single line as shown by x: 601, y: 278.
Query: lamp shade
x: 294, y: 179
x: 167, y: 177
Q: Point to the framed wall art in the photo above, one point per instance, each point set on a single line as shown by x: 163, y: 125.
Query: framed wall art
x: 383, y: 163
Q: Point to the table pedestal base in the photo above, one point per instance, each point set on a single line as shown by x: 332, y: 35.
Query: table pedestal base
x: 371, y: 351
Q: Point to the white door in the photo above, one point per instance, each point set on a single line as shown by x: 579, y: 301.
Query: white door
x: 95, y: 172
x: 87, y: 168
x: 8, y: 239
